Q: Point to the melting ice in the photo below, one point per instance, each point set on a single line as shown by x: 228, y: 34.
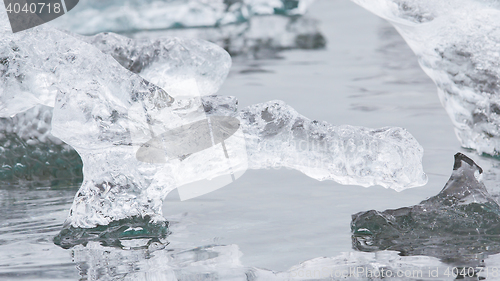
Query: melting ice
x: 108, y: 113
x: 457, y: 45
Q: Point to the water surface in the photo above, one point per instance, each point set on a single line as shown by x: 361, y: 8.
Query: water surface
x: 271, y: 219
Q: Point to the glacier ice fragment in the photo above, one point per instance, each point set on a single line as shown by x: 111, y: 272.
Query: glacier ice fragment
x: 278, y: 136
x: 41, y: 62
x: 117, y: 184
x: 457, y: 44
x: 107, y: 113
x: 459, y: 225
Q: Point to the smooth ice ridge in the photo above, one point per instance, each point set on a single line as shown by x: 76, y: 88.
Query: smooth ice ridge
x: 94, y: 16
x: 457, y: 45
x: 460, y: 225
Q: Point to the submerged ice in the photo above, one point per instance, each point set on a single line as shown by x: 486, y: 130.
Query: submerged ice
x: 30, y: 153
x: 457, y: 44
x: 460, y: 225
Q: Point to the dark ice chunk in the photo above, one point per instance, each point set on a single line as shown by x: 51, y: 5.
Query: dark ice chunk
x: 460, y: 225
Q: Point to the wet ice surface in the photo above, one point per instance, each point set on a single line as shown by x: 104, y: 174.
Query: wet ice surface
x: 457, y: 46
x: 277, y: 219
x: 460, y: 225
x: 119, y: 131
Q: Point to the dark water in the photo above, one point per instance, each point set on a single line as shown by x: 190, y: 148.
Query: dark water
x: 265, y: 225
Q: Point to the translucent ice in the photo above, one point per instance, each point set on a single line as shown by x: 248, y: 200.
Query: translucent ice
x: 168, y: 62
x: 457, y: 45
x: 459, y: 225
x: 94, y: 16
x: 119, y: 121
x: 278, y: 136
x: 119, y: 184
x: 39, y: 63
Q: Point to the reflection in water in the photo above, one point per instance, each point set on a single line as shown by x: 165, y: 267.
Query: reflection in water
x: 460, y: 225
x: 96, y: 262
x: 397, y: 55
x: 30, y: 219
x: 217, y: 262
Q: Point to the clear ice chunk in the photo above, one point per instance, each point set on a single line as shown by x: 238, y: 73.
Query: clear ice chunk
x: 460, y: 225
x: 94, y: 16
x: 41, y: 62
x: 118, y: 122
x: 109, y: 132
x: 168, y: 62
x: 278, y: 136
x: 38, y: 63
x: 456, y: 43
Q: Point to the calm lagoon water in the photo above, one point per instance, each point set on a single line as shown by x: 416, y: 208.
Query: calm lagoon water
x: 268, y: 220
